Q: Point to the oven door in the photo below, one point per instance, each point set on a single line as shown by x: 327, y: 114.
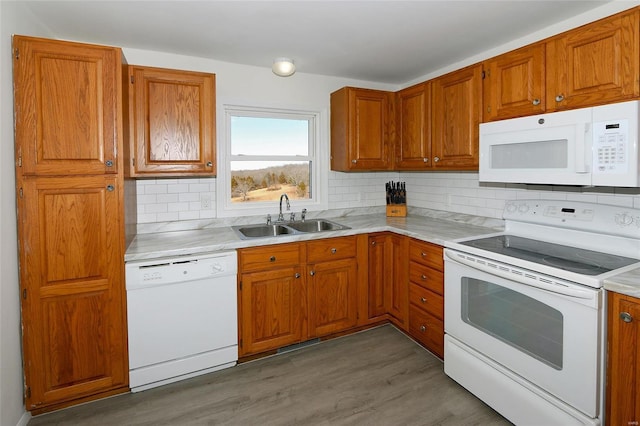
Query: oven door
x: 545, y: 330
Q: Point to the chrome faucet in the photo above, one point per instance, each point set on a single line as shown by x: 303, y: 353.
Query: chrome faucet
x: 281, y: 216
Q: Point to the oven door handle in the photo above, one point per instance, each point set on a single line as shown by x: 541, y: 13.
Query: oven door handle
x: 519, y: 275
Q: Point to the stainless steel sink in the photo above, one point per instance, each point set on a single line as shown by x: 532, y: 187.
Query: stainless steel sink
x: 247, y: 232
x: 316, y: 225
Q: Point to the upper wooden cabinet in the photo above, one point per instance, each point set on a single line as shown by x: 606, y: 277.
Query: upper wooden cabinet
x: 172, y: 122
x: 594, y: 64
x: 514, y: 84
x: 361, y: 122
x: 413, y: 124
x: 456, y: 114
x: 67, y: 103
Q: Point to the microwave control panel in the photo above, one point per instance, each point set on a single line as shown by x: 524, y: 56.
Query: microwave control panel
x: 610, y: 146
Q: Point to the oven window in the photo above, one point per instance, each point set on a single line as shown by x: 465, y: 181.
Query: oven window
x: 514, y: 318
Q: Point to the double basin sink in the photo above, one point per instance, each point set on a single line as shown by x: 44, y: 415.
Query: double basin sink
x: 247, y: 232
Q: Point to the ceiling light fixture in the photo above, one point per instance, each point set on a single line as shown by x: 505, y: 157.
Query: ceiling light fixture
x: 284, y: 67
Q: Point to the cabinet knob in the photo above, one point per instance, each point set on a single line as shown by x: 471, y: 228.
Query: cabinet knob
x: 334, y: 250
x: 559, y: 98
x: 109, y: 163
x: 423, y: 276
x: 425, y: 160
x: 110, y: 188
x: 272, y: 259
x: 423, y: 254
x: 354, y: 161
x: 312, y: 272
x: 373, y: 243
x: 423, y: 328
x: 423, y: 299
x: 297, y: 275
x: 209, y: 164
x: 626, y: 317
x: 436, y: 159
x: 536, y: 102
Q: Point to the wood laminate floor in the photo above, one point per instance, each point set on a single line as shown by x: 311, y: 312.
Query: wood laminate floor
x: 375, y: 377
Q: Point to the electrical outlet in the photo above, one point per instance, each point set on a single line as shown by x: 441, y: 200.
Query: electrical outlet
x: 205, y: 201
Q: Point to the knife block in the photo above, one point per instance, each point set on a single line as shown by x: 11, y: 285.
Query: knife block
x: 396, y: 210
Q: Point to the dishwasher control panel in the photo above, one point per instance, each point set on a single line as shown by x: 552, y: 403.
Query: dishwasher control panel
x: 180, y: 269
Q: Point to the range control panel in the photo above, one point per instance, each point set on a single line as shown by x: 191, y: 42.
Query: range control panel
x: 590, y: 217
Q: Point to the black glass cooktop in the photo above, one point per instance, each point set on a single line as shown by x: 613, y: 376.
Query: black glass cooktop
x: 571, y: 259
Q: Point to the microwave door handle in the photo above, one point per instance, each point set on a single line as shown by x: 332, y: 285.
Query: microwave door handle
x: 582, y: 129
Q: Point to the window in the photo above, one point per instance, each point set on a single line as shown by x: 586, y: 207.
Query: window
x: 269, y: 152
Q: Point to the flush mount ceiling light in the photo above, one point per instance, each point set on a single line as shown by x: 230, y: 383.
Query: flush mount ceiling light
x: 284, y: 67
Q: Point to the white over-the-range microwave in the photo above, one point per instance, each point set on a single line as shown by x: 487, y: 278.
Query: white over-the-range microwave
x: 596, y: 146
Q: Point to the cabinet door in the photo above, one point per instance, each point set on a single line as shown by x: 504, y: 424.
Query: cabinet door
x: 623, y: 372
x: 360, y: 120
x: 457, y: 110
x: 514, y: 84
x: 413, y: 124
x: 379, y: 275
x: 272, y: 307
x: 397, y: 300
x: 594, y: 64
x: 172, y: 118
x: 67, y: 99
x: 333, y: 296
x: 72, y: 279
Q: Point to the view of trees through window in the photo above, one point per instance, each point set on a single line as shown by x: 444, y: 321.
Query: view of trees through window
x: 271, y: 154
x: 269, y: 183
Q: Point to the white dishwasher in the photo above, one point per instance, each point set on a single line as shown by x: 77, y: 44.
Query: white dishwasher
x: 182, y: 317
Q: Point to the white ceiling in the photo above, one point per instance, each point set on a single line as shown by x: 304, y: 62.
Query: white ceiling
x: 382, y: 41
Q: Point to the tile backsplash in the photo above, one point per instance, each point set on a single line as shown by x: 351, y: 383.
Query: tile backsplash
x: 187, y: 199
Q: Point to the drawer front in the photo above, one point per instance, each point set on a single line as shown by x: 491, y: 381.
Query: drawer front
x: 427, y: 254
x: 331, y: 249
x: 427, y: 330
x: 431, y: 302
x: 268, y: 257
x: 426, y: 277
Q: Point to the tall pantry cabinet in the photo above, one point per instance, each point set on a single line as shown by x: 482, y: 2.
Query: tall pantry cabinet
x: 71, y: 226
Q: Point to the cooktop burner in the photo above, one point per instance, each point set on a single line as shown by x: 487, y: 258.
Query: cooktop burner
x: 581, y: 261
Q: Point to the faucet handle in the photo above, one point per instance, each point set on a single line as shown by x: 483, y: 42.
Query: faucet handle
x: 268, y: 219
x: 292, y: 217
x: 303, y: 214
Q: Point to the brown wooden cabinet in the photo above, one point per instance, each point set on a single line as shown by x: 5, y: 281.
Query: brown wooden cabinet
x: 293, y: 292
x: 66, y: 93
x: 413, y: 124
x: 426, y: 295
x: 332, y: 284
x: 388, y: 277
x: 594, y: 64
x: 514, y: 83
x: 361, y: 121
x: 456, y: 115
x: 70, y: 221
x: 172, y: 122
x: 623, y: 370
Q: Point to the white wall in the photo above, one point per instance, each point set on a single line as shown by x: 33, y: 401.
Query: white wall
x: 14, y: 19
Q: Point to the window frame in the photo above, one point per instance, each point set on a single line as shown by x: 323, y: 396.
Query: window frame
x: 317, y: 155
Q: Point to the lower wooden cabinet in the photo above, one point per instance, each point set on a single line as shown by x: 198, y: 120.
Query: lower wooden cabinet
x: 293, y: 292
x: 426, y: 295
x: 623, y: 370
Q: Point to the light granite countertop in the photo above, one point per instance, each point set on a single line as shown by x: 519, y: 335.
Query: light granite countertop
x: 430, y: 226
x: 627, y: 283
x: 211, y: 239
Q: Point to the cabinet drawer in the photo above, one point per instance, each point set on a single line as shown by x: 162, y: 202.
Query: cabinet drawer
x: 431, y: 302
x: 268, y: 257
x: 427, y: 330
x: 427, y: 254
x: 426, y: 277
x: 331, y: 249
